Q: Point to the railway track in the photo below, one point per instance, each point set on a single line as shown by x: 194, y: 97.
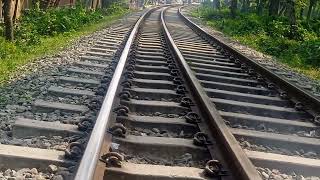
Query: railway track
x: 158, y: 98
x: 155, y: 134
x: 45, y: 137
x: 274, y: 121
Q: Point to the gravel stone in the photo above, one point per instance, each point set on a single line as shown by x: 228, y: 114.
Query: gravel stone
x: 300, y: 177
x: 58, y: 177
x: 7, y: 172
x: 265, y: 175
x: 52, y: 168
x: 275, y: 174
x: 301, y: 153
x: 32, y: 82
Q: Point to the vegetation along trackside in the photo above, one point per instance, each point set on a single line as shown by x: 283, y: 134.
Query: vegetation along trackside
x: 43, y: 29
x: 288, y: 30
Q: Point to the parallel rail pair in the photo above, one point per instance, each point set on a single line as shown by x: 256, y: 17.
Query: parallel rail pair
x: 238, y: 161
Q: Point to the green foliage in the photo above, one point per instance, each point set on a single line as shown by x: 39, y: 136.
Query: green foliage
x: 116, y: 7
x: 36, y: 23
x: 7, y: 48
x: 40, y: 33
x: 270, y: 35
x: 1, y: 29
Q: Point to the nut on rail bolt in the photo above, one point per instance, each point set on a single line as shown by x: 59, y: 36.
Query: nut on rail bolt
x: 125, y: 95
x: 130, y: 67
x: 132, y: 62
x: 121, y: 110
x: 271, y: 86
x: 186, y: 102
x: 112, y: 159
x: 129, y: 75
x: 201, y: 139
x: 192, y: 118
x: 126, y: 84
x: 74, y: 150
x: 85, y: 124
x: 251, y: 72
x: 174, y: 72
x: 260, y: 79
x: 172, y: 66
x: 101, y: 90
x: 299, y: 106
x: 284, y: 95
x: 95, y: 103
x: 243, y: 66
x: 181, y: 90
x: 316, y: 120
x: 213, y: 168
x: 106, y: 79
x: 177, y: 81
x: 169, y: 61
x: 118, y: 130
x: 237, y: 61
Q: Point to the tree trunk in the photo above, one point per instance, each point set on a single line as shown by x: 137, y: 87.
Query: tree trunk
x: 260, y: 4
x: 1, y: 10
x: 88, y: 4
x: 309, y: 13
x: 274, y: 7
x: 291, y: 12
x: 56, y: 3
x: 218, y: 4
x: 282, y: 10
x: 16, y: 11
x: 104, y: 3
x: 8, y: 23
x: 233, y: 8
x: 245, y: 5
x: 97, y: 5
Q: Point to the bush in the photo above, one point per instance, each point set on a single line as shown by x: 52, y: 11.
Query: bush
x: 35, y: 23
x: 7, y: 48
x: 270, y: 35
x: 117, y: 7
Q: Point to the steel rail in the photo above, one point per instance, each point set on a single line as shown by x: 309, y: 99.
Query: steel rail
x: 90, y: 157
x: 309, y: 100
x: 237, y: 159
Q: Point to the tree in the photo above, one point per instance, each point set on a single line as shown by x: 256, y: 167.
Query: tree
x: 56, y: 3
x: 17, y: 10
x: 291, y: 13
x: 245, y: 5
x: 233, y: 8
x: 274, y: 7
x: 8, y: 21
x: 260, y: 4
x: 216, y: 4
x: 0, y: 9
x: 312, y: 3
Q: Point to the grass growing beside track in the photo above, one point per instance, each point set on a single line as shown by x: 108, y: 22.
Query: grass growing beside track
x: 15, y: 54
x: 270, y: 37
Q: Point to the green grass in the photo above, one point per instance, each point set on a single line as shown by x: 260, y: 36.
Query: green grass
x: 271, y: 36
x: 16, y: 56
